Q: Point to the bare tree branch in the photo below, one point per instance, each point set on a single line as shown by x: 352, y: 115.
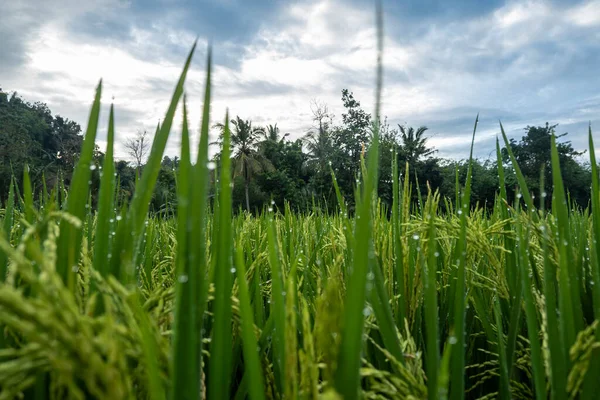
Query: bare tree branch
x: 137, y: 148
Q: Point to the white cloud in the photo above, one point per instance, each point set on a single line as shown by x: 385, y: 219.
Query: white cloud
x: 587, y: 14
x: 496, y: 63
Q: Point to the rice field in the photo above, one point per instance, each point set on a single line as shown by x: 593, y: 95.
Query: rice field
x: 402, y: 303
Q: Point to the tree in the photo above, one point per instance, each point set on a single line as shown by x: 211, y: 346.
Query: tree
x: 350, y: 141
x: 414, y: 144
x: 29, y: 134
x: 271, y: 133
x: 388, y: 146
x: 318, y: 138
x: 319, y: 144
x: 137, y: 147
x: 286, y: 181
x: 533, y: 154
x: 355, y: 134
x: 247, y: 160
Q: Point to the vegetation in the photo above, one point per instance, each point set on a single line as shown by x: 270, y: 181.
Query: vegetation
x: 417, y: 295
x: 268, y: 166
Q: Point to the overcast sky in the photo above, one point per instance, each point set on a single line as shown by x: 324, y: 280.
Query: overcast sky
x: 522, y: 62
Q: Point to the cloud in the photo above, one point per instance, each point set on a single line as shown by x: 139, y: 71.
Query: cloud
x: 524, y: 62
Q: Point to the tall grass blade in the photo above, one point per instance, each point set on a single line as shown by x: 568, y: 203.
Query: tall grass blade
x: 347, y: 381
x: 397, y: 209
x: 69, y: 240
x: 431, y: 313
x: 591, y: 386
x: 569, y: 297
x: 28, y: 196
x: 250, y: 347
x: 520, y: 177
x: 7, y: 225
x: 145, y: 185
x: 105, y: 203
x: 186, y: 370
x: 221, y: 341
x: 502, y: 362
x: 457, y: 375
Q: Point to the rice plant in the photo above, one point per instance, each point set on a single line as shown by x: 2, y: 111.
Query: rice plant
x: 116, y: 303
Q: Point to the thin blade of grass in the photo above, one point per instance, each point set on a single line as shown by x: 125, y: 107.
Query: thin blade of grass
x: 105, y: 203
x: 397, y: 209
x: 504, y: 389
x: 7, y: 225
x: 431, y: 314
x: 252, y: 364
x: 69, y: 240
x: 28, y: 196
x: 569, y: 298
x: 590, y: 388
x: 156, y: 390
x: 277, y: 305
x: 457, y: 374
x: 221, y: 340
x: 533, y: 326
x: 186, y: 371
x: 145, y: 185
x: 520, y: 177
x: 347, y: 377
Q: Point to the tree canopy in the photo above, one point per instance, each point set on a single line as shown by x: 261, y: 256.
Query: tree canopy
x: 270, y: 169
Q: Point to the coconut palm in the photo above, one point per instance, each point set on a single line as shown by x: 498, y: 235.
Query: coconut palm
x: 271, y: 133
x: 247, y: 160
x: 414, y: 144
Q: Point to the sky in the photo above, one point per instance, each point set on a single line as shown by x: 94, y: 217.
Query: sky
x: 519, y: 62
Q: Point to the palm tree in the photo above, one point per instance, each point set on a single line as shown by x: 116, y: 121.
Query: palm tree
x: 272, y: 134
x: 414, y: 144
x: 247, y: 160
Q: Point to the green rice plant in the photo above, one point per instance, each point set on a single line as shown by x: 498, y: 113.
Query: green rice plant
x: 201, y: 302
x: 7, y: 225
x: 347, y: 375
x: 220, y: 349
x: 457, y: 379
x: 105, y: 212
x: 69, y: 241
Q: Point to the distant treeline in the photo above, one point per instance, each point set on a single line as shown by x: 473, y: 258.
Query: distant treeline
x: 269, y: 169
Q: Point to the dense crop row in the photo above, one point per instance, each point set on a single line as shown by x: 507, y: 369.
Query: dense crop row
x: 402, y: 303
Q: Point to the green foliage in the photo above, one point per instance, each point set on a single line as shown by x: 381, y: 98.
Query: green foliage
x: 198, y: 302
x: 533, y: 154
x: 29, y: 134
